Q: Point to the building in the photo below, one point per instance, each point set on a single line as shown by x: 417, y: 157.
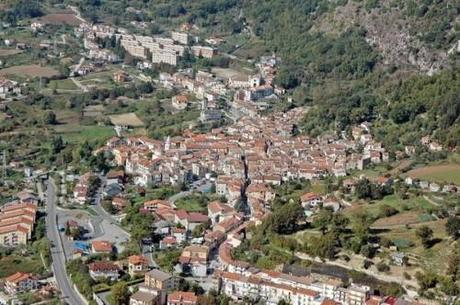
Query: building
x: 164, y: 56
x: 120, y: 77
x: 101, y: 246
x: 106, y: 270
x: 194, y: 260
x: 144, y: 297
x: 182, y: 298
x: 20, y: 282
x: 181, y: 37
x: 17, y: 222
x: 206, y: 52
x: 137, y: 265
x: 179, y: 102
x: 157, y: 279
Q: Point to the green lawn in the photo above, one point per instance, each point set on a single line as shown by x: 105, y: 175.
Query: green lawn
x: 63, y: 84
x: 190, y: 205
x: 82, y: 133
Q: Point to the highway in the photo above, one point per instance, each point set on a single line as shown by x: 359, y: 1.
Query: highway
x: 70, y: 296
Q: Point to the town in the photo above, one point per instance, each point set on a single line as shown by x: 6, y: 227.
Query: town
x: 168, y: 167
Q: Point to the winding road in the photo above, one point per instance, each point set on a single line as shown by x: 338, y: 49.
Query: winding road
x: 57, y: 251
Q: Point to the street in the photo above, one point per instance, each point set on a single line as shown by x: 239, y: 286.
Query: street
x: 57, y: 251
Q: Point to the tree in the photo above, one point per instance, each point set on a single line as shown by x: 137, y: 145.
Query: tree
x: 285, y: 219
x: 323, y: 246
x: 57, y: 145
x: 426, y: 280
x: 424, y: 233
x: 120, y: 293
x: 49, y: 118
x: 453, y: 227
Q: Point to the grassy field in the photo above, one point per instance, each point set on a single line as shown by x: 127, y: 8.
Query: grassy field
x: 446, y: 173
x: 14, y: 263
x: 30, y: 70
x: 415, y: 209
x: 63, y: 84
x: 82, y: 133
x: 433, y: 258
x: 190, y: 204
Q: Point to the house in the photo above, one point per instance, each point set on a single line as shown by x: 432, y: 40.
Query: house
x: 179, y: 102
x: 168, y: 242
x: 106, y: 270
x: 142, y: 297
x: 399, y: 258
x: 120, y: 203
x: 180, y: 234
x: 194, y: 260
x: 190, y: 220
x: 218, y: 211
x: 20, y: 282
x: 311, y: 200
x: 120, y: 77
x: 434, y: 187
x: 137, y: 265
x: 101, y: 246
x: 332, y: 203
x: 182, y: 298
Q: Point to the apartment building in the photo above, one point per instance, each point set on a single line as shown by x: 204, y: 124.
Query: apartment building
x: 181, y: 37
x: 17, y: 222
x: 160, y: 280
x: 206, y: 52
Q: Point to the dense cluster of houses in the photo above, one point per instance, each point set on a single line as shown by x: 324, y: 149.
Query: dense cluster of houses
x: 246, y: 157
x: 17, y: 220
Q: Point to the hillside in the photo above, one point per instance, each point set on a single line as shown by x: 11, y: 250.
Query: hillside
x: 391, y: 62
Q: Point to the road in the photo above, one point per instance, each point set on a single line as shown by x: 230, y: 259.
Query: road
x: 57, y: 251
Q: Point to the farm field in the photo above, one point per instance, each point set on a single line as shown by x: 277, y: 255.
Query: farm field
x: 446, y: 173
x: 61, y: 19
x: 8, y: 52
x: 30, y: 70
x: 126, y: 119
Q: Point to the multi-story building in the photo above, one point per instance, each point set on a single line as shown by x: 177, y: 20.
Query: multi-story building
x: 106, y: 270
x: 206, y: 52
x: 160, y: 280
x: 16, y: 223
x: 181, y: 37
x: 20, y: 282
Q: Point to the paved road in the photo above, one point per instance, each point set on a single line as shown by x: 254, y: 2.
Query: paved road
x: 57, y: 251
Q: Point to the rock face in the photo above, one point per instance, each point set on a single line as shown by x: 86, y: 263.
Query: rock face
x: 389, y: 32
